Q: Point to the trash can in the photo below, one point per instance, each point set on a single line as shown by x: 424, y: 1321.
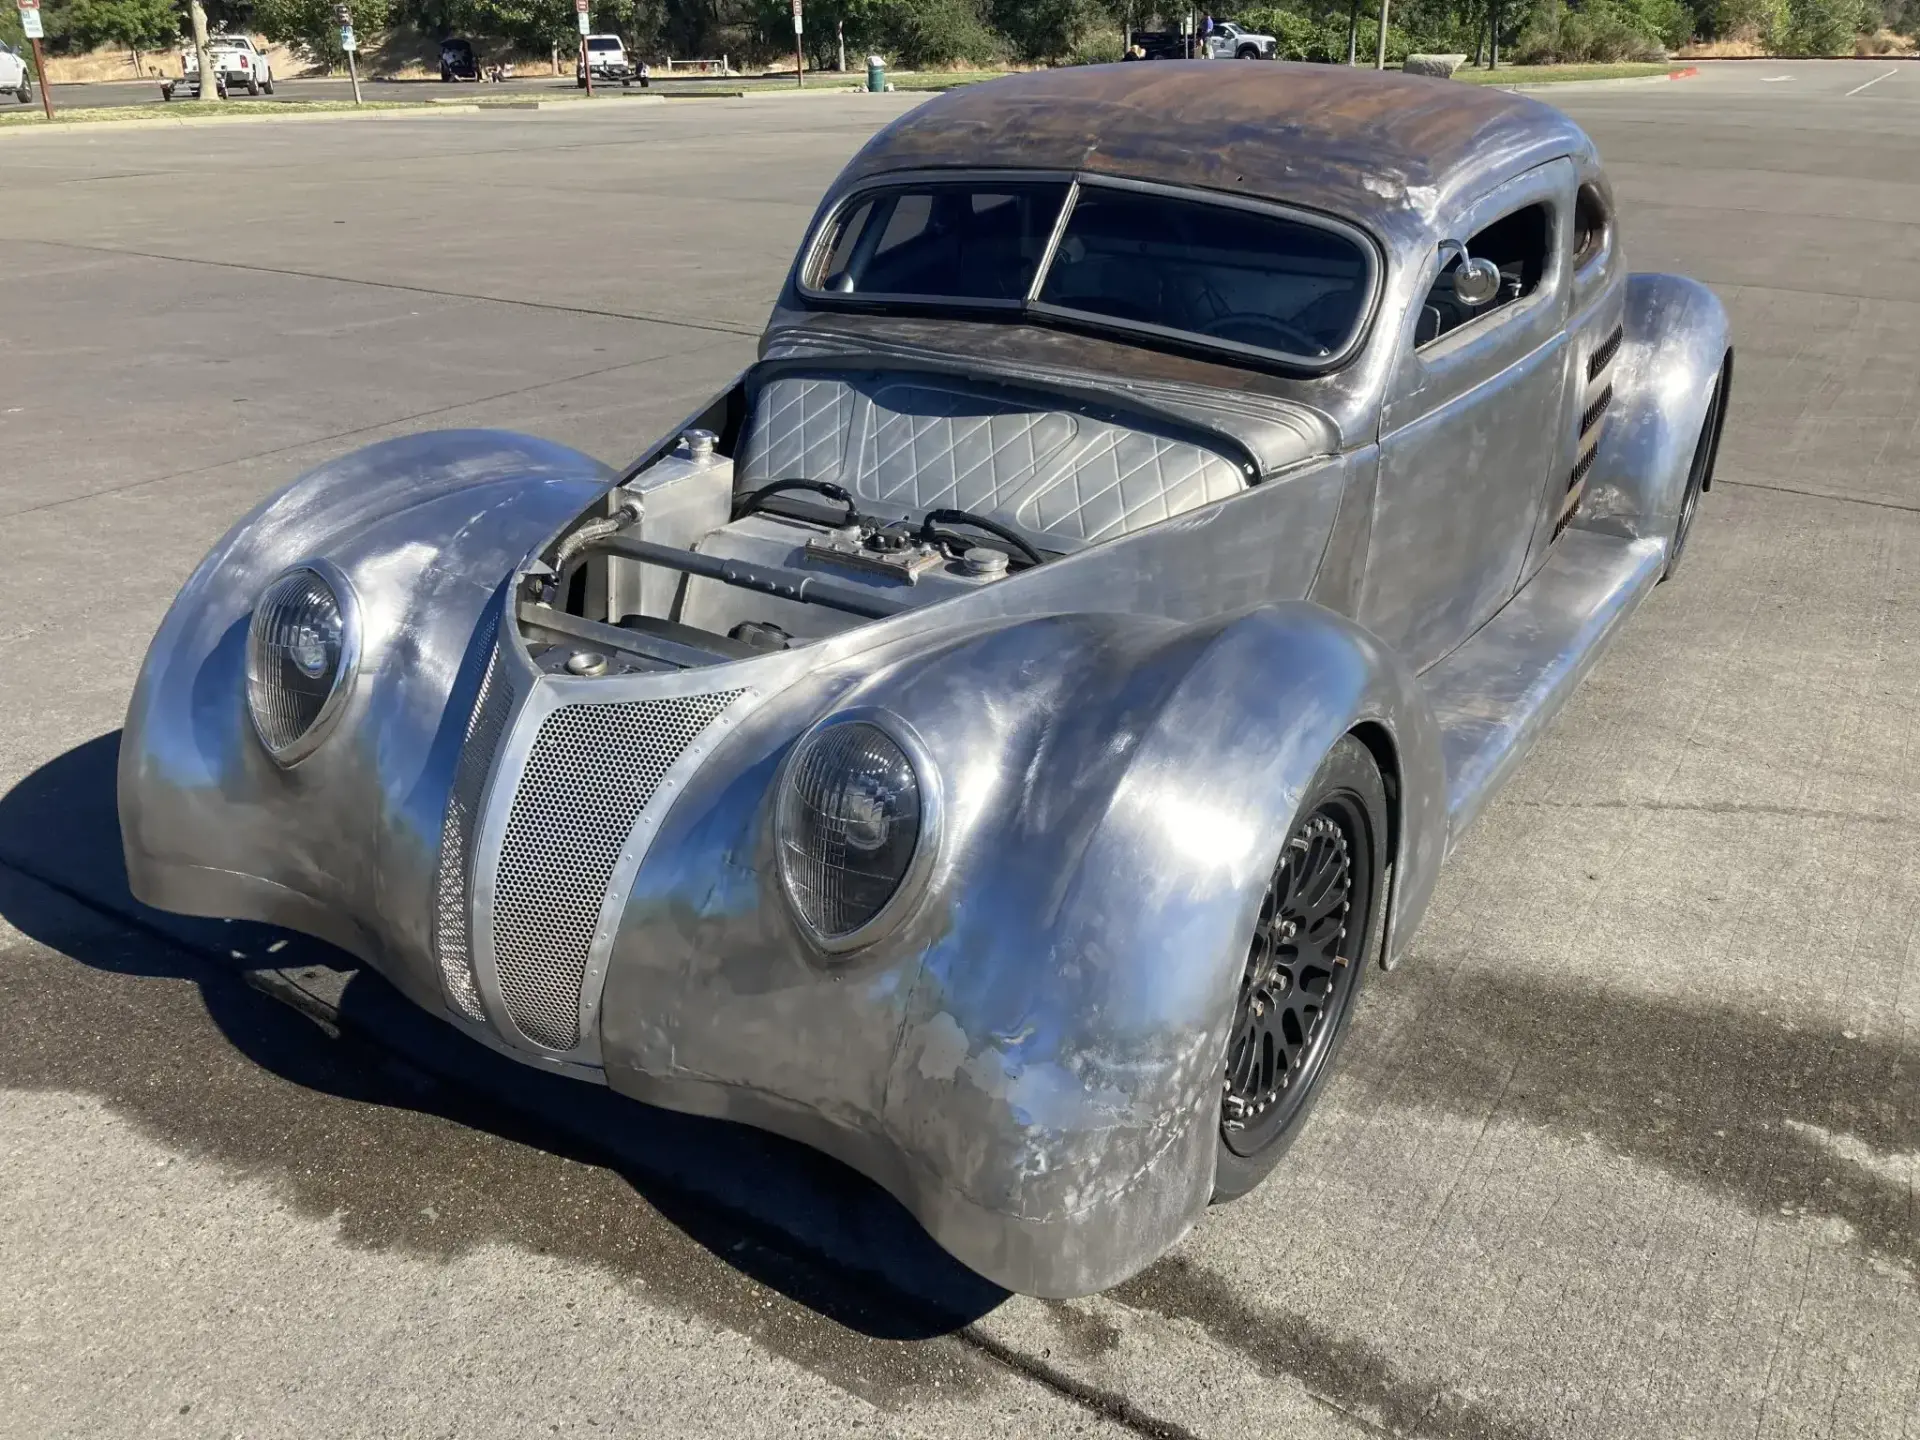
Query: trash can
x: 876, y: 75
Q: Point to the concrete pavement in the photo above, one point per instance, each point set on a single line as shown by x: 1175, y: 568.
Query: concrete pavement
x: 1629, y: 1146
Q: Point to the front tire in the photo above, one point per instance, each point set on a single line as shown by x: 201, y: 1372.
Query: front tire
x: 1248, y: 52
x: 1318, y: 933
x: 1706, y: 450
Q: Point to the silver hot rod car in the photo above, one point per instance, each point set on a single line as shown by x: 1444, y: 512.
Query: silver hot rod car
x: 993, y: 740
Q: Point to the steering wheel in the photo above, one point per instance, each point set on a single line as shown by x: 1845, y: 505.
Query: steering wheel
x: 1245, y: 328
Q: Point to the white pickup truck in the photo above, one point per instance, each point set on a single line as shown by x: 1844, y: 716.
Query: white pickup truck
x: 14, y: 76
x: 237, y: 63
x: 1230, y: 41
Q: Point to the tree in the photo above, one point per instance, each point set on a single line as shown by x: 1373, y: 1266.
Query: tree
x: 136, y: 24
x: 314, y: 25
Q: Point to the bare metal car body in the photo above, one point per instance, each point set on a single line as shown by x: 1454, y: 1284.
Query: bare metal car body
x: 1425, y: 543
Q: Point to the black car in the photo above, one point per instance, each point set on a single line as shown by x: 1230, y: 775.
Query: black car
x: 457, y: 61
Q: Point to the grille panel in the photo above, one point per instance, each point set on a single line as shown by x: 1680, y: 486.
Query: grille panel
x: 484, y: 730
x: 592, y: 770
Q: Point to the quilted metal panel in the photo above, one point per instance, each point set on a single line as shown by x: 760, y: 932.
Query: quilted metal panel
x: 591, y: 772
x: 932, y: 448
x: 485, y: 726
x: 1126, y: 481
x: 918, y: 447
x: 799, y: 431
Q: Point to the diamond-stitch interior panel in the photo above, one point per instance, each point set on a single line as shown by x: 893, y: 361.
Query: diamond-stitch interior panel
x: 919, y: 446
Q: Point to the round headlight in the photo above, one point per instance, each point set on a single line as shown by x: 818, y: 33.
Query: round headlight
x: 300, y: 653
x: 848, y: 828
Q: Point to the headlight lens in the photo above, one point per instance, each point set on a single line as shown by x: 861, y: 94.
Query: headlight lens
x: 848, y: 826
x: 299, y: 654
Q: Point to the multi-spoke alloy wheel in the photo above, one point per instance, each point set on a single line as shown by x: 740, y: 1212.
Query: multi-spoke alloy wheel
x: 1311, y: 944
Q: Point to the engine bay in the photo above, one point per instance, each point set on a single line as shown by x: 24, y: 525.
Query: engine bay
x: 683, y: 567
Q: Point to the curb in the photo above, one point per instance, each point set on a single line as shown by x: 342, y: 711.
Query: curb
x: 1550, y: 86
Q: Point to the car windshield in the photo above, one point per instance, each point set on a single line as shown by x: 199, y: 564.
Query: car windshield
x: 1186, y: 269
x: 603, y: 44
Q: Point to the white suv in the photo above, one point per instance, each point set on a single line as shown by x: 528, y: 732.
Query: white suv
x: 14, y: 76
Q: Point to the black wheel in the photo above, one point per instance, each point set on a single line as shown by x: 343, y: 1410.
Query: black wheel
x: 253, y: 85
x: 25, y: 93
x: 1318, y: 933
x: 268, y: 86
x: 1706, y: 450
x: 1248, y: 52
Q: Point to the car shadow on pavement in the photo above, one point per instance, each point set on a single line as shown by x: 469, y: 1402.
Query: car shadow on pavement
x: 790, y: 1218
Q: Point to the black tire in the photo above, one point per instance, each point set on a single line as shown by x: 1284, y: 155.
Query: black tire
x: 1279, y: 1049
x: 25, y: 93
x: 253, y: 85
x: 1706, y: 450
x: 1248, y: 52
x: 268, y: 86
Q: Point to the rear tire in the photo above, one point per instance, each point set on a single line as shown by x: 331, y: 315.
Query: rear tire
x: 25, y: 93
x: 1248, y: 52
x: 1706, y: 450
x: 268, y: 86
x: 1320, y: 930
x: 253, y: 86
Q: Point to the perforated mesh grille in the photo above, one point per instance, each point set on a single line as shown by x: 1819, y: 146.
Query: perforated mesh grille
x: 484, y: 729
x: 592, y: 771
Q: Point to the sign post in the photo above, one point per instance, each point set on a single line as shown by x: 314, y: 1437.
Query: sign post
x: 349, y: 44
x: 586, y: 55
x: 799, y: 64
x: 30, y: 24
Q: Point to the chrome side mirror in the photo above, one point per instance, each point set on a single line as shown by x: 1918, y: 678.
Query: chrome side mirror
x: 1475, y: 281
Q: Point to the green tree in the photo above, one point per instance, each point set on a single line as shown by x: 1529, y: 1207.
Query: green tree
x: 313, y: 25
x: 135, y: 24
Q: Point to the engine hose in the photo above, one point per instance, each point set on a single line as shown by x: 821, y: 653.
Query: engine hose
x: 628, y: 513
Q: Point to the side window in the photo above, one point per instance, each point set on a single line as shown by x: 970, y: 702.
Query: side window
x: 1517, y: 244
x: 1590, y: 221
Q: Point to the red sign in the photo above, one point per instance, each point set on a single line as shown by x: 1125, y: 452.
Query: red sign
x: 580, y: 6
x: 35, y: 4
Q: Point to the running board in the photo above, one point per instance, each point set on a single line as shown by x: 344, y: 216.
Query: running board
x: 1496, y: 693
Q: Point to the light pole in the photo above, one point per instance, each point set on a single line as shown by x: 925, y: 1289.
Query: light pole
x: 1380, y: 55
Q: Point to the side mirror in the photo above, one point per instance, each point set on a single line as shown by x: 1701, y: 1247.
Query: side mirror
x: 1475, y: 281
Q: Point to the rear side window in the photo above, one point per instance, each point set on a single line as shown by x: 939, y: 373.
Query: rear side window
x: 1245, y: 277
x: 940, y: 241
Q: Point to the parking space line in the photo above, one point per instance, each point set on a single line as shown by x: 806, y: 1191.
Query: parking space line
x: 1875, y: 81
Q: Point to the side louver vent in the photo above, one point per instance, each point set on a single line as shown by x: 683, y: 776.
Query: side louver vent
x: 592, y: 771
x: 1599, y: 398
x: 1603, y: 357
x: 484, y: 729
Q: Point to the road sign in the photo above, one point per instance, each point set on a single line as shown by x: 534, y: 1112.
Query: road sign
x: 585, y: 24
x: 30, y: 19
x: 347, y: 42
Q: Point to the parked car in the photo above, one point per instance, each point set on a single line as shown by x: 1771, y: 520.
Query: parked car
x: 14, y: 75
x: 608, y: 57
x: 457, y: 61
x: 996, y: 737
x: 237, y: 63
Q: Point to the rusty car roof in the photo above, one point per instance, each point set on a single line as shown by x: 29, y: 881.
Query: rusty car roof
x: 1378, y: 147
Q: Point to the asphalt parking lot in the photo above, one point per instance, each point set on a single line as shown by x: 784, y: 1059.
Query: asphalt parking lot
x: 1630, y: 1145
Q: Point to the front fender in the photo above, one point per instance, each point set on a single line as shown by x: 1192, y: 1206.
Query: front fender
x: 1677, y: 341
x: 343, y: 844
x: 1060, y: 1061
x: 1031, y: 1061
